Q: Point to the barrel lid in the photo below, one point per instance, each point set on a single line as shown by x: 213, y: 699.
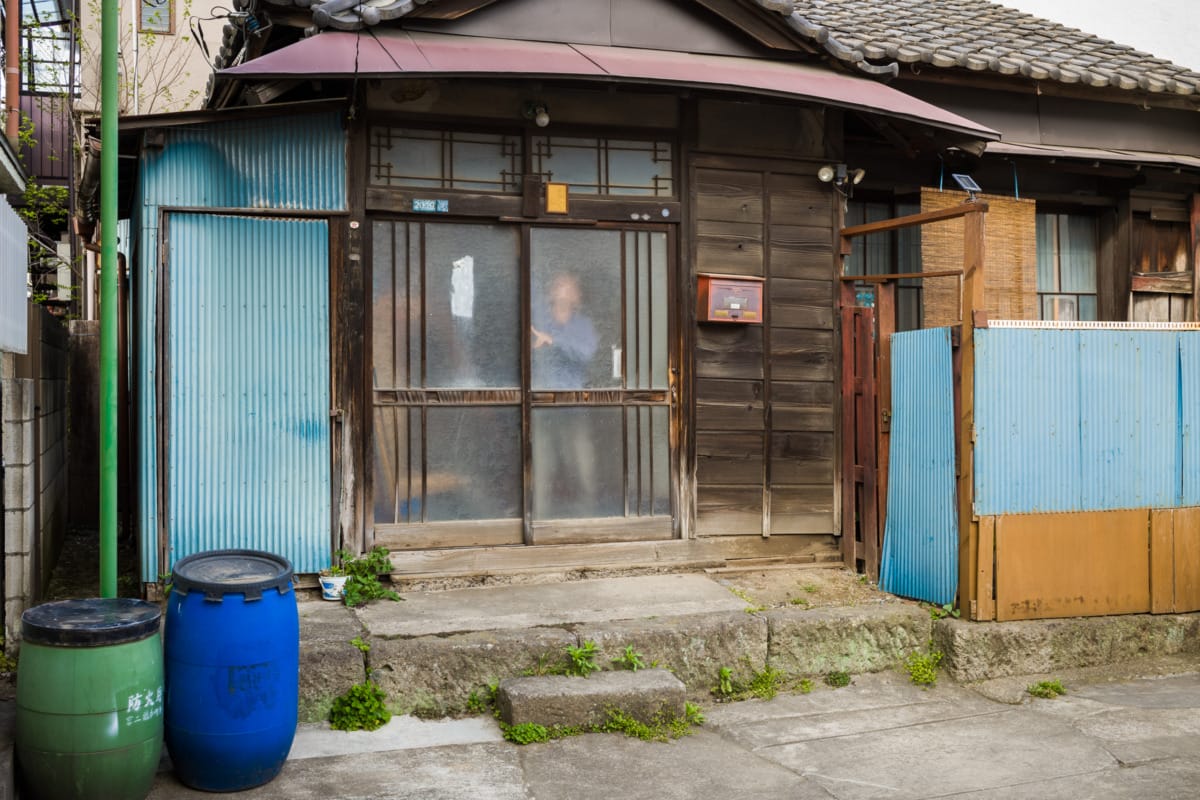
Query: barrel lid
x: 94, y: 622
x: 221, y: 572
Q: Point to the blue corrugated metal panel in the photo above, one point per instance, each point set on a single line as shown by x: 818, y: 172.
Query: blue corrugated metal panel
x: 1027, y: 421
x: 1189, y: 402
x: 920, y: 545
x: 1129, y: 419
x: 294, y: 163
x: 248, y: 414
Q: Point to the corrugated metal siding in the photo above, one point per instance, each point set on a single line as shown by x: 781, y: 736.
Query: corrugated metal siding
x: 1026, y: 421
x: 248, y: 418
x: 292, y: 163
x: 920, y: 545
x: 1189, y: 404
x: 1129, y: 419
x: 295, y: 162
x: 1079, y: 420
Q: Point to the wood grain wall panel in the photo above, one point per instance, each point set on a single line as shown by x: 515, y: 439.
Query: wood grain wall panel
x: 804, y: 393
x: 728, y: 458
x: 729, y: 416
x: 803, y: 252
x: 802, y: 457
x: 716, y: 390
x: 729, y: 511
x: 786, y: 417
x: 731, y: 248
x: 801, y: 355
x: 724, y: 195
x: 788, y: 524
x: 729, y: 351
x: 800, y: 304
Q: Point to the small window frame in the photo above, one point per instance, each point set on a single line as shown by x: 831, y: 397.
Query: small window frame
x: 152, y: 6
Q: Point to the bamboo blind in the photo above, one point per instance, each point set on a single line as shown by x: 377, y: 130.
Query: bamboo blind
x: 1010, y: 258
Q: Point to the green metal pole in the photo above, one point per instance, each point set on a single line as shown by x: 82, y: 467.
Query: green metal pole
x: 109, y: 307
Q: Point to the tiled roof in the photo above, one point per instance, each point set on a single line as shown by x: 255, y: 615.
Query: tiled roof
x: 875, y: 36
x: 982, y: 37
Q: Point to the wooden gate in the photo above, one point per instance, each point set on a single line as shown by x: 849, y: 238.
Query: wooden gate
x: 860, y: 507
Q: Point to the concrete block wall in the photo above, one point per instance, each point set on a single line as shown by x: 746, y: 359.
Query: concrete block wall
x: 33, y: 444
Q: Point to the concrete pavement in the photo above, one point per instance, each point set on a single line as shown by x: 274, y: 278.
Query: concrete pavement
x: 881, y: 737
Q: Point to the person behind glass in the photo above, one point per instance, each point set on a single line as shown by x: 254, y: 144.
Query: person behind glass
x: 564, y: 339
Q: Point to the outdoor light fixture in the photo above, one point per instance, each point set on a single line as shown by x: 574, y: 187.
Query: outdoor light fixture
x: 536, y: 112
x: 842, y: 178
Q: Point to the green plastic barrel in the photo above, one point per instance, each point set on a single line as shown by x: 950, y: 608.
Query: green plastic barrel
x: 90, y: 699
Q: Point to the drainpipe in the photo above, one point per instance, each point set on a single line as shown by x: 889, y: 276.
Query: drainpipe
x: 109, y: 308
x: 12, y: 69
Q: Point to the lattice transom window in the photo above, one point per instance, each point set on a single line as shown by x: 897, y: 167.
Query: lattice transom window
x: 480, y: 162
x: 604, y: 166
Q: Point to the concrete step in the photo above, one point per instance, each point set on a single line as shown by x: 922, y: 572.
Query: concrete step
x: 562, y: 700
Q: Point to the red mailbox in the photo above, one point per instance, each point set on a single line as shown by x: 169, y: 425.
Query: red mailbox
x: 730, y: 298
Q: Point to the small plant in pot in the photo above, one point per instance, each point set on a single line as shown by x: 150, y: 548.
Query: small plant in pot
x: 362, y: 577
x: 333, y: 578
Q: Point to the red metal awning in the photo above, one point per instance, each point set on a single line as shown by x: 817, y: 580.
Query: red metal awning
x: 392, y: 52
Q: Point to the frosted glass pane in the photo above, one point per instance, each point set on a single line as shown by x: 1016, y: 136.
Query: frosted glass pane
x: 408, y: 158
x: 383, y: 371
x: 397, y: 465
x: 578, y: 459
x: 573, y: 161
x: 633, y: 168
x: 474, y: 463
x: 1087, y: 308
x: 575, y: 336
x: 658, y: 311
x: 1077, y: 253
x: 1046, y: 254
x: 390, y: 322
x: 472, y: 319
x: 660, y: 452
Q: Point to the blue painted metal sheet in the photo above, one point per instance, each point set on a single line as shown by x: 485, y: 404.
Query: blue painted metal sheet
x: 1129, y: 419
x: 920, y: 544
x: 1027, y: 421
x: 292, y: 163
x: 295, y: 162
x: 1189, y: 407
x: 248, y: 409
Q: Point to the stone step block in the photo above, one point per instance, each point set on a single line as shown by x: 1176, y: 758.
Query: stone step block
x: 562, y: 700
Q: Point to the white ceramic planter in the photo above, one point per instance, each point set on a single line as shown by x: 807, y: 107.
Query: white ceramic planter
x: 332, y: 586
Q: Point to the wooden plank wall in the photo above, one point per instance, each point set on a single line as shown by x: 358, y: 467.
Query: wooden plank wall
x: 765, y: 394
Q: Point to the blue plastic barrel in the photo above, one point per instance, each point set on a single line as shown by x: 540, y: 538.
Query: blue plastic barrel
x: 232, y: 660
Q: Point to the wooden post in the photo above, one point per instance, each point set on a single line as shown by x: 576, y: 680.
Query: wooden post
x: 1195, y: 235
x: 885, y: 314
x: 969, y: 588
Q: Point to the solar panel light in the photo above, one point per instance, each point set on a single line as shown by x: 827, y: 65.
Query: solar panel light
x: 968, y: 185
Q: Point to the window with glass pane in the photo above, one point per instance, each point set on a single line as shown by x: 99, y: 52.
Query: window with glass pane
x: 446, y: 372
x: 482, y: 162
x: 578, y: 462
x: 1066, y: 266
x: 603, y: 166
x: 445, y: 311
x: 887, y: 253
x: 575, y: 309
x: 449, y: 463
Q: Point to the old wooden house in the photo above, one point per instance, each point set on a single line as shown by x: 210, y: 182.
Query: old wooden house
x: 534, y: 284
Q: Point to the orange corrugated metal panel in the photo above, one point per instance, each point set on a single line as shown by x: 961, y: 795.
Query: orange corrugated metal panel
x: 1072, y: 565
x: 1162, y: 561
x: 1187, y: 558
